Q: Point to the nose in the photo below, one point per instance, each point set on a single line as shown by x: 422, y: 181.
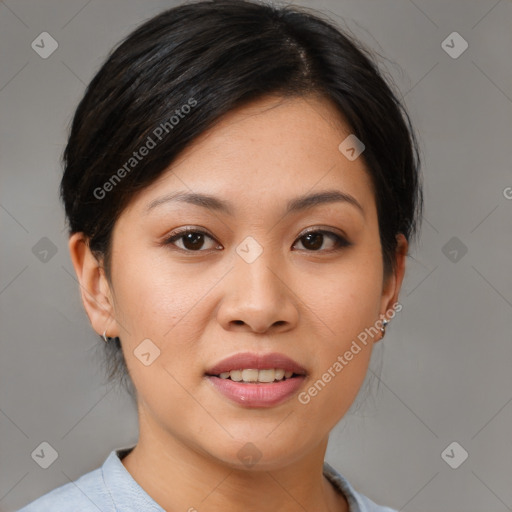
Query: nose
x: 258, y: 297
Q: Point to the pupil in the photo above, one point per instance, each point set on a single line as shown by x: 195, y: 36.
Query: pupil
x: 193, y: 239
x: 316, y: 237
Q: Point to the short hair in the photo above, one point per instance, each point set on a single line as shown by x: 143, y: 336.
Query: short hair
x: 181, y: 71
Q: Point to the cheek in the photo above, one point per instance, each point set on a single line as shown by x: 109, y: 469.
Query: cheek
x: 339, y: 380
x: 343, y: 343
x: 347, y: 307
x: 154, y: 297
x: 347, y: 300
x: 159, y: 328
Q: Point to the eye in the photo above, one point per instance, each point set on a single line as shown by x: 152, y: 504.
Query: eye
x: 192, y: 239
x: 314, y: 240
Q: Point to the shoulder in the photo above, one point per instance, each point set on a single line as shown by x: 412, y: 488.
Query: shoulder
x: 357, y: 502
x: 86, y: 493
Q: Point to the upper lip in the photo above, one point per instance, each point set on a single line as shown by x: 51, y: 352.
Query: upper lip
x: 248, y: 360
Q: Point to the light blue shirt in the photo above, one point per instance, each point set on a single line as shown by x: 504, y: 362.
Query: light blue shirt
x: 111, y: 488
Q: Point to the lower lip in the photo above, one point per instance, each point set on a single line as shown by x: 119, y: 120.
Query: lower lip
x: 257, y: 394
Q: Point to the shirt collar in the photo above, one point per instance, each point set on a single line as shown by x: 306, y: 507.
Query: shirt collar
x: 126, y: 493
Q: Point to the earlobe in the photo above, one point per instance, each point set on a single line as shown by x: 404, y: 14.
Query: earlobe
x: 94, y: 287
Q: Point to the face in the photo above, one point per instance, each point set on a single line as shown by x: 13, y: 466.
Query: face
x: 263, y: 277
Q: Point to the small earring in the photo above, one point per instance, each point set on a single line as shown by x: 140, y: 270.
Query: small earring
x: 105, y: 337
x: 383, y: 328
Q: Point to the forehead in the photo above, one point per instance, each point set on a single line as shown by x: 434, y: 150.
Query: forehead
x: 264, y: 154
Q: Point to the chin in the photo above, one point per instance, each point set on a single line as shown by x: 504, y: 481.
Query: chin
x: 259, y: 454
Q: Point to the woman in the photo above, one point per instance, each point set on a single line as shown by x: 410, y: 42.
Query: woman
x: 241, y: 187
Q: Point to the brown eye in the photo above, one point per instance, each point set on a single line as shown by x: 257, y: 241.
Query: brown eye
x: 314, y: 240
x: 192, y: 240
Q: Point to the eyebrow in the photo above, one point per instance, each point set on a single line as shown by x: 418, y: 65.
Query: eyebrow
x: 298, y: 204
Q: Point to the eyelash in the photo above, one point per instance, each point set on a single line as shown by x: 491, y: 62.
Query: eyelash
x: 339, y: 240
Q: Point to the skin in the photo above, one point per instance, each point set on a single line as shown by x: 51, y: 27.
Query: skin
x: 199, y: 307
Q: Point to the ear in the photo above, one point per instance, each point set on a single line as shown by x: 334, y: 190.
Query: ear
x: 94, y: 286
x: 393, y: 283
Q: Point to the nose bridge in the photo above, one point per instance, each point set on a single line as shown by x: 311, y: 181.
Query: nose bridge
x: 256, y: 294
x: 256, y: 268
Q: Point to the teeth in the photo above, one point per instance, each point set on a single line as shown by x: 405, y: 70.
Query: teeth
x: 252, y: 375
x: 235, y: 375
x: 266, y: 375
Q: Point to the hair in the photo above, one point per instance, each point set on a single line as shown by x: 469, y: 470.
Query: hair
x: 184, y: 69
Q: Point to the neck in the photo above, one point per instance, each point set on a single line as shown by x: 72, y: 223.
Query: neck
x: 178, y: 477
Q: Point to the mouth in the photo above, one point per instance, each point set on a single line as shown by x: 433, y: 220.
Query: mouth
x: 257, y: 380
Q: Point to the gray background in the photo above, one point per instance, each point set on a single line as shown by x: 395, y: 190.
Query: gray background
x: 445, y: 363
